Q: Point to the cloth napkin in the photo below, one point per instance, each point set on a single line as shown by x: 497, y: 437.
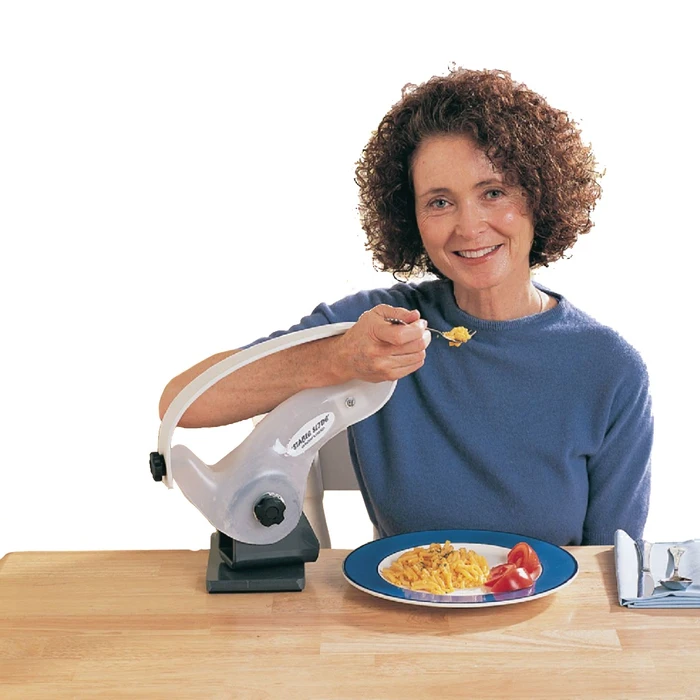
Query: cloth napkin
x: 628, y: 565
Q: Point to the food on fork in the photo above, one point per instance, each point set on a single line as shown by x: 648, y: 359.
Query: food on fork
x: 458, y: 335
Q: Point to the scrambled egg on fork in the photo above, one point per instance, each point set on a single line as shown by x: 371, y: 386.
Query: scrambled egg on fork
x: 458, y: 335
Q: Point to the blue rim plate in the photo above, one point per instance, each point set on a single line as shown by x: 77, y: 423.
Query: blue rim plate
x: 361, y: 567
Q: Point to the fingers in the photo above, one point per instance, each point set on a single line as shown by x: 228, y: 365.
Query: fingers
x: 406, y: 315
x: 405, y: 364
x: 376, y: 350
x: 412, y: 347
x: 411, y: 337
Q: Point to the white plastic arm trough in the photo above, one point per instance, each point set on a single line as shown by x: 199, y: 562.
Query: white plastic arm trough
x: 276, y: 457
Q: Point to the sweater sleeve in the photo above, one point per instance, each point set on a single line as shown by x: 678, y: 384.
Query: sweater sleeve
x: 619, y: 473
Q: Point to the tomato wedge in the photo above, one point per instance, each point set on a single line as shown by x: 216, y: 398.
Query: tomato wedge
x: 509, y: 577
x: 496, y: 573
x: 521, y: 570
x: 524, y: 556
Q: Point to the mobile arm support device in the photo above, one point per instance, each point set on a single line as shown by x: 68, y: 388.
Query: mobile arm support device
x: 254, y: 495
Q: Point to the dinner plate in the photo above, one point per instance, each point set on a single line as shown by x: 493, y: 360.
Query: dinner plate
x: 362, y: 566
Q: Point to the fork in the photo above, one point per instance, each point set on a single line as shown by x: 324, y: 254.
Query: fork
x: 399, y: 322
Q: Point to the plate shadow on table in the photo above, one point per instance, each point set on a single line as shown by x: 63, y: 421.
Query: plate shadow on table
x: 380, y: 612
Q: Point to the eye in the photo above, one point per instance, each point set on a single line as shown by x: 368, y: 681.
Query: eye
x: 439, y: 203
x: 494, y: 193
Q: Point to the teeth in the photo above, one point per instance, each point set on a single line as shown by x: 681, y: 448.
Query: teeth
x: 476, y: 253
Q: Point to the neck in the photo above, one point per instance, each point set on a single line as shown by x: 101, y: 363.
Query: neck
x: 495, y: 304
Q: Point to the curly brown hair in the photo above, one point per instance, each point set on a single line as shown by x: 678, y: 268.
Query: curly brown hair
x: 532, y: 144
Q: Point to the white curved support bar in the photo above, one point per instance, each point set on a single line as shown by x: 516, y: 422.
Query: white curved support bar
x: 190, y: 393
x: 276, y: 457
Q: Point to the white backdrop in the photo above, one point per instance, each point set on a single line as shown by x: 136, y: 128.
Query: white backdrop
x: 176, y: 178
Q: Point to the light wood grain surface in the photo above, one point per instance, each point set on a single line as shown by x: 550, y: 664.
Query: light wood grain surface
x: 141, y: 625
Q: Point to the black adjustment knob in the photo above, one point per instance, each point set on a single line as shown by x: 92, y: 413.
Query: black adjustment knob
x: 157, y: 463
x: 269, y: 510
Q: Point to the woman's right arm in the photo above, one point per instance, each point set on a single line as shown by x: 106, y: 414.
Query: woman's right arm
x: 372, y: 350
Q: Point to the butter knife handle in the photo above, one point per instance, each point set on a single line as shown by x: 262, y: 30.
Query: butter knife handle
x: 640, y: 574
x: 645, y: 582
x: 649, y: 584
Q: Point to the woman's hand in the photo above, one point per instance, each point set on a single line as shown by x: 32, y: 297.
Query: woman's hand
x: 375, y: 351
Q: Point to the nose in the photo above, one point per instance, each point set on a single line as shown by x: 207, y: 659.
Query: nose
x: 472, y: 220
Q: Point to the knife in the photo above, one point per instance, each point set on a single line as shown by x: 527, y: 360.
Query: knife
x: 646, y: 580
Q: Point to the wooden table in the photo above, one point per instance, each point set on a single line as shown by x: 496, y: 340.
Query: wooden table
x: 141, y: 625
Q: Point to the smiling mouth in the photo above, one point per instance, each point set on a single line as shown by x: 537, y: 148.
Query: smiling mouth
x: 477, y: 253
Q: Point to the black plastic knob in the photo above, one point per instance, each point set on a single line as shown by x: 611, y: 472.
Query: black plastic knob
x: 269, y: 510
x: 157, y: 463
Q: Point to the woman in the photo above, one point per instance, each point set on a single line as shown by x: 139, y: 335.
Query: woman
x: 541, y: 424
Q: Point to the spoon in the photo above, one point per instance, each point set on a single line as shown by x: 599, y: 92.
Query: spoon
x: 676, y: 582
x: 447, y: 335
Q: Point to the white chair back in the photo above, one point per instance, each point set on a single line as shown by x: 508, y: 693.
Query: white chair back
x: 331, y: 470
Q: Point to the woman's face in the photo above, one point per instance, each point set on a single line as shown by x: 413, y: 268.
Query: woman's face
x: 477, y: 230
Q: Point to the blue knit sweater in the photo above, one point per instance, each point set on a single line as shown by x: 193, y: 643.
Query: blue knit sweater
x: 540, y: 426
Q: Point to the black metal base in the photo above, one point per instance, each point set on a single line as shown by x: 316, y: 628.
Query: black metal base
x: 237, y: 567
